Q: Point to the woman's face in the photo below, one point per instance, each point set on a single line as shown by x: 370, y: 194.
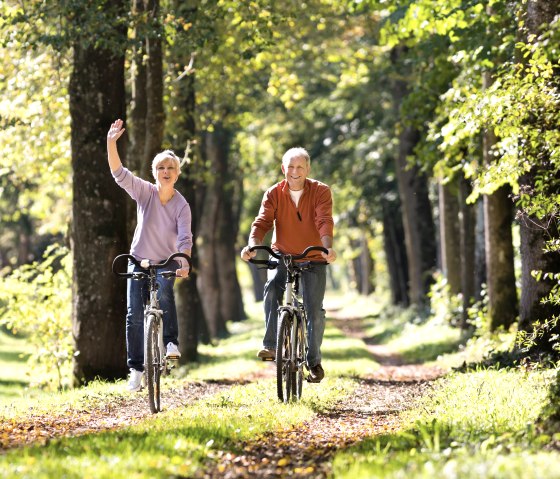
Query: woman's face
x: 166, y: 173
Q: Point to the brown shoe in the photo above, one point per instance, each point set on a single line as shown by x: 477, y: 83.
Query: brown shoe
x: 267, y: 354
x: 316, y: 374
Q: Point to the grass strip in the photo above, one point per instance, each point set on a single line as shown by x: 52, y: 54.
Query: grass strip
x: 476, y: 424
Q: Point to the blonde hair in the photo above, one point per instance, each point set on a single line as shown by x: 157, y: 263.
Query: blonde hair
x: 165, y: 155
x: 297, y: 152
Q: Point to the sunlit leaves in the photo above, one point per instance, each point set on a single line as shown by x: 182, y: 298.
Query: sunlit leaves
x: 36, y: 300
x: 35, y: 134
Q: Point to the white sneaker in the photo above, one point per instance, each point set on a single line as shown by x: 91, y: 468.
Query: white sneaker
x: 135, y: 381
x: 172, y: 351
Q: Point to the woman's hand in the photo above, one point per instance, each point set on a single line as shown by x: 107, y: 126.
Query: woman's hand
x: 182, y: 273
x: 116, y: 131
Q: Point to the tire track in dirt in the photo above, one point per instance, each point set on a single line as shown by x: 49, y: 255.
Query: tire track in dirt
x: 306, y: 450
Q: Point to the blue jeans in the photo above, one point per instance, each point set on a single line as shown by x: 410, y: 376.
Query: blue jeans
x: 313, y: 284
x: 137, y: 294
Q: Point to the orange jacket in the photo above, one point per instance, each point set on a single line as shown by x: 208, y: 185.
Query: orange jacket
x: 295, y: 228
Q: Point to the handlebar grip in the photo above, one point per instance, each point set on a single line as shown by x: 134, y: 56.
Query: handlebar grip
x: 137, y: 263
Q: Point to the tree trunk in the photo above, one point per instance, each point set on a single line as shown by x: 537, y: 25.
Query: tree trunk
x: 147, y: 112
x: 418, y: 222
x: 192, y: 323
x: 395, y: 252
x: 500, y: 278
x: 98, y: 230
x: 450, y: 241
x: 419, y: 228
x: 362, y: 265
x: 467, y: 226
x: 217, y: 281
x: 155, y: 115
x: 139, y: 104
x: 534, y: 234
x: 479, y: 251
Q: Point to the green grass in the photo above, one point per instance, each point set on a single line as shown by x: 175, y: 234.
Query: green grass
x: 180, y: 441
x: 13, y: 356
x: 475, y: 423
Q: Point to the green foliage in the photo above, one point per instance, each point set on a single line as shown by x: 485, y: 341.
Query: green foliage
x: 36, y: 301
x: 541, y: 332
x: 444, y: 306
x: 35, y: 178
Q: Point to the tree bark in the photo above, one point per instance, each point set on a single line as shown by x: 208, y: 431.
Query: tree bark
x: 450, y: 241
x: 362, y: 266
x: 98, y: 230
x: 147, y: 112
x: 418, y: 222
x: 217, y: 281
x: 534, y: 234
x: 467, y: 225
x: 139, y: 104
x: 192, y: 323
x: 498, y: 212
x: 395, y: 252
x: 419, y: 228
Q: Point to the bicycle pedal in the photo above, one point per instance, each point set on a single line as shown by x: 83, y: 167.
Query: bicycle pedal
x: 268, y: 359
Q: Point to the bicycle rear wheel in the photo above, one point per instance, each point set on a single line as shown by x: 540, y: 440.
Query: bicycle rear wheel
x: 285, y: 366
x: 299, y: 348
x: 152, y: 366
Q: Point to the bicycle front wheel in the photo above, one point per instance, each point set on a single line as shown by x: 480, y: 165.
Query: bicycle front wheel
x: 300, y: 353
x: 152, y: 366
x: 285, y: 360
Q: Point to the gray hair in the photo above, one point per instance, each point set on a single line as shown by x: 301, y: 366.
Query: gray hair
x: 297, y: 152
x: 165, y: 155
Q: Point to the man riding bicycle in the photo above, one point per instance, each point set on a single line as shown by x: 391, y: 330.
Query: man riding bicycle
x: 300, y: 211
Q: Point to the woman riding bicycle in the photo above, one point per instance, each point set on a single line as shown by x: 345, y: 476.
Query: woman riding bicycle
x: 163, y: 227
x: 300, y: 211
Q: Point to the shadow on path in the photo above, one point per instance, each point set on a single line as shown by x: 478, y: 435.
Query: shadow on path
x: 306, y: 450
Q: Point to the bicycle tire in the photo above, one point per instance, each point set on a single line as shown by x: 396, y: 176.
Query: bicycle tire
x: 285, y: 370
x: 152, y: 366
x: 300, y: 353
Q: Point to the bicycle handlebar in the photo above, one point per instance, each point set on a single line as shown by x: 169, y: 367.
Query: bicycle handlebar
x: 155, y: 266
x: 279, y: 255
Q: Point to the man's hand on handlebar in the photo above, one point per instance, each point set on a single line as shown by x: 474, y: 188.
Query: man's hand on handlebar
x: 331, y: 256
x: 246, y: 255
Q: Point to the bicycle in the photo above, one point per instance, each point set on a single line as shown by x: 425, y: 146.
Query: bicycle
x: 291, y: 340
x: 155, y: 362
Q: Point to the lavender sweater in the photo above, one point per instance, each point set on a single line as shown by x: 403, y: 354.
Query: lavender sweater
x: 161, y: 229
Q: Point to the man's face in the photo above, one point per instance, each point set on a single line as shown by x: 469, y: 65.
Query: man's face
x: 296, y: 171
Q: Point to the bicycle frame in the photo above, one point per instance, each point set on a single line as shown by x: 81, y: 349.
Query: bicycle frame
x: 292, y: 341
x: 155, y: 360
x: 152, y: 307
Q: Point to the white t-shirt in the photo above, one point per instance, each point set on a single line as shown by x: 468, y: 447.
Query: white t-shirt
x: 296, y: 195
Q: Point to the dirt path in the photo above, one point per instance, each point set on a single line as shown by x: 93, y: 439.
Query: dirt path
x: 306, y: 450
x: 97, y: 415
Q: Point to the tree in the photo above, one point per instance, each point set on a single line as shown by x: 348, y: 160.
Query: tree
x: 416, y: 207
x: 500, y: 277
x: 98, y: 232
x: 147, y: 116
x: 537, y: 231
